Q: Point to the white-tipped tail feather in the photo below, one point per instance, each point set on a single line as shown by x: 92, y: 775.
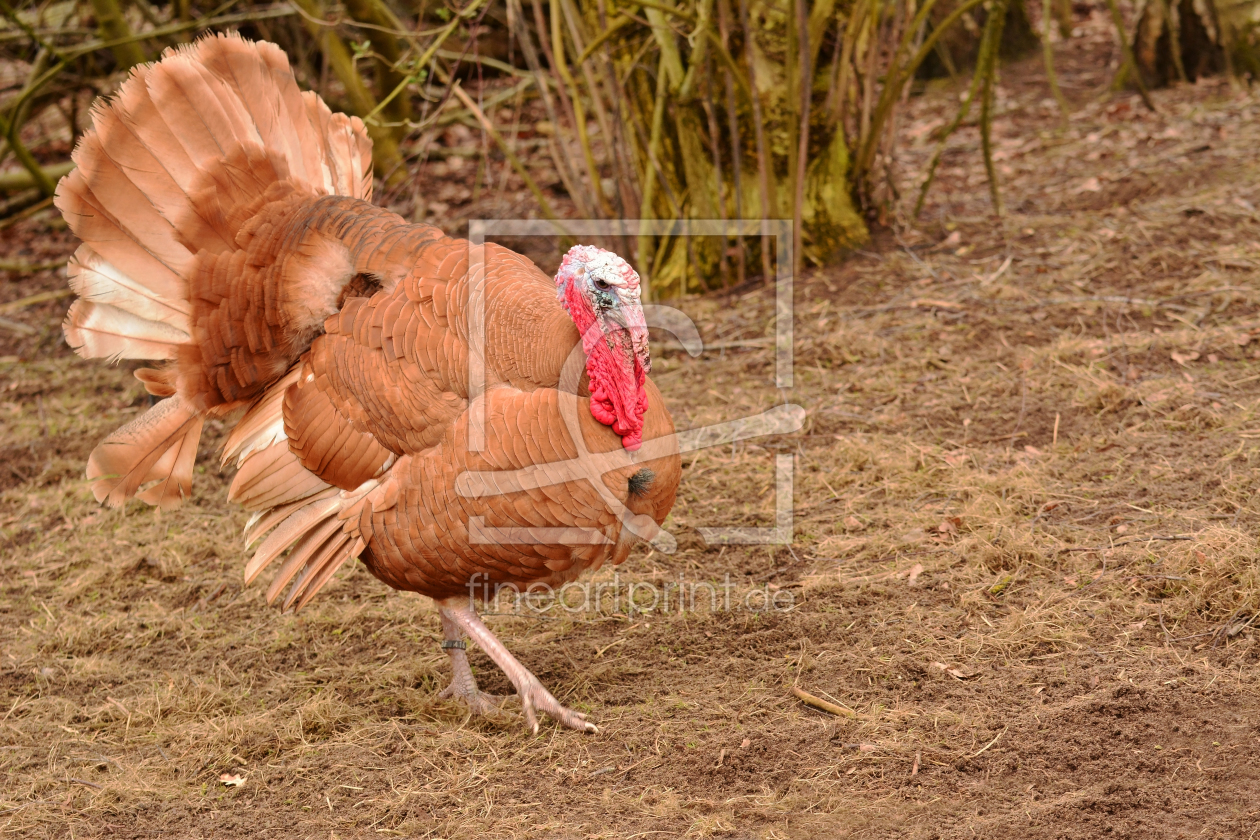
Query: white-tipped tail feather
x: 158, y: 446
x: 102, y: 331
x: 94, y: 279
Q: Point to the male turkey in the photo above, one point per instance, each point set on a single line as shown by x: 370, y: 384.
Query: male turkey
x: 226, y: 229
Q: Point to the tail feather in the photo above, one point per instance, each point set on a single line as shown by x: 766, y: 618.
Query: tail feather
x: 321, y: 570
x: 159, y: 445
x: 172, y: 473
x: 311, y: 545
x: 102, y: 331
x: 262, y: 425
x: 320, y: 533
x: 264, y: 520
x: 169, y: 173
x: 92, y: 277
x: 95, y: 225
x: 115, y: 191
x: 294, y: 528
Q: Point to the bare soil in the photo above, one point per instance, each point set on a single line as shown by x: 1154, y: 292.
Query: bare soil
x: 1024, y: 554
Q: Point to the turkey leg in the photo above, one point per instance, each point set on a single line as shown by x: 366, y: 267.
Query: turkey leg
x: 463, y: 685
x: 533, y: 696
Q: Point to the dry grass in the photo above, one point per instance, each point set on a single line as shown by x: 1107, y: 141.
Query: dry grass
x: 1025, y: 557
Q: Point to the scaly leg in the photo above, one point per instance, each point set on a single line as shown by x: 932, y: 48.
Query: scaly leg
x: 533, y: 695
x: 463, y: 685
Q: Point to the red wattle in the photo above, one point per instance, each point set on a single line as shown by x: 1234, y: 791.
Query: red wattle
x: 618, y: 398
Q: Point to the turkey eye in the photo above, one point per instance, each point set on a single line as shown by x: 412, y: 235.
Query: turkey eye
x: 600, y: 284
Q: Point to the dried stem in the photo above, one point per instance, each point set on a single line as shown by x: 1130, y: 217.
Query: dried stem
x: 1048, y: 51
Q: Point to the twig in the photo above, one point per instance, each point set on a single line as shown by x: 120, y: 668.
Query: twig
x: 42, y: 297
x: 89, y: 784
x: 1048, y: 51
x: 27, y: 268
x: 512, y: 157
x: 989, y: 61
x: 1129, y: 61
x: 17, y: 327
x: 26, y: 212
x: 991, y: 743
x: 819, y: 703
x: 764, y: 173
x: 1126, y: 542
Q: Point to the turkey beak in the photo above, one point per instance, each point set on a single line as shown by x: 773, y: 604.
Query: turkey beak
x: 626, y: 330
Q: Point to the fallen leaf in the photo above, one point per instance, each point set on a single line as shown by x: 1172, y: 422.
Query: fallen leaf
x: 1184, y: 358
x: 949, y: 525
x: 232, y: 779
x: 915, y: 571
x: 1090, y: 185
x: 957, y: 673
x: 852, y: 523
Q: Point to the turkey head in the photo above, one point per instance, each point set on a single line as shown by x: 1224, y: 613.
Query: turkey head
x: 601, y: 293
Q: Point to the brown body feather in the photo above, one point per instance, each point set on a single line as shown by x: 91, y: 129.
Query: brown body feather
x: 226, y: 229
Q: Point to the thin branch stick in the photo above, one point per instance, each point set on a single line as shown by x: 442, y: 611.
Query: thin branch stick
x: 821, y: 704
x: 737, y: 159
x: 385, y: 154
x: 963, y: 111
x: 646, y: 213
x: 1154, y: 538
x: 1130, y: 63
x: 1048, y: 51
x: 516, y: 22
x: 715, y: 148
x: 667, y: 9
x: 36, y: 175
x: 424, y: 59
x: 987, y: 66
x: 602, y: 38
x: 42, y: 297
x: 579, y: 113
x: 802, y: 155
x: 517, y: 164
x: 898, y: 76
x: 763, y: 153
x: 26, y: 212
x: 109, y: 17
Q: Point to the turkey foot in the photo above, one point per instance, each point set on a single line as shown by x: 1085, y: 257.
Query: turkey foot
x: 463, y: 685
x: 534, y: 697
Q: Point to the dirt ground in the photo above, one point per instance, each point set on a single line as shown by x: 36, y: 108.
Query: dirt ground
x: 1024, y: 552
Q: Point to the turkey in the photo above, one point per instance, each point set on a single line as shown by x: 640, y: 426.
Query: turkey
x: 444, y: 412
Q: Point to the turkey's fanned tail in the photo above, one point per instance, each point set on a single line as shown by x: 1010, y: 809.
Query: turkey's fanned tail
x: 172, y: 173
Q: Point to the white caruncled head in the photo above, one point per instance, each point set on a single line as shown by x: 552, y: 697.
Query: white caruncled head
x: 601, y: 292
